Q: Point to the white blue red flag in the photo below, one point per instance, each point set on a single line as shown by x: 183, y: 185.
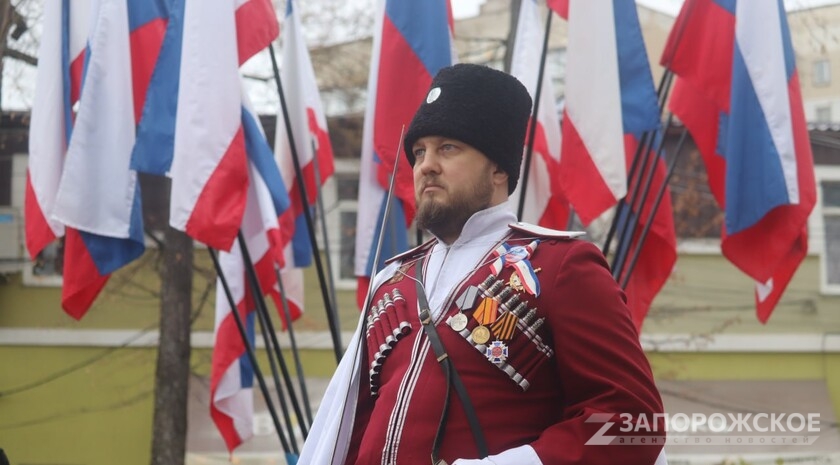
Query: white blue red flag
x: 98, y: 196
x: 231, y: 378
x: 256, y: 27
x: 739, y: 96
x: 545, y: 203
x: 610, y: 104
x: 610, y: 99
x: 312, y: 147
x: 413, y: 40
x: 209, y: 168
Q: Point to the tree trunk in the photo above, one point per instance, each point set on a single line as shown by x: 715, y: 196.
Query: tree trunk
x: 169, y: 435
x: 5, y: 26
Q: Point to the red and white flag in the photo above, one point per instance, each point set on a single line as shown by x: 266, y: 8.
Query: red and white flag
x: 313, y: 149
x: 209, y: 169
x: 545, y: 203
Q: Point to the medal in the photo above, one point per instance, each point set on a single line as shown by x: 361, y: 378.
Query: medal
x: 458, y: 322
x: 467, y: 299
x: 487, y: 311
x: 503, y: 327
x: 496, y: 352
x: 515, y: 283
x: 480, y: 335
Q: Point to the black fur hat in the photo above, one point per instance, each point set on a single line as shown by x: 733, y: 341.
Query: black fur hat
x: 483, y: 107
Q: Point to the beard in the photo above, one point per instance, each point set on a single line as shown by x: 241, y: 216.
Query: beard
x: 446, y: 220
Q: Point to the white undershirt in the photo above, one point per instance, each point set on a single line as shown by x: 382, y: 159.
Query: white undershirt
x: 455, y: 261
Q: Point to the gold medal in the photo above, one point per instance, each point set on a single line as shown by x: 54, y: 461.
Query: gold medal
x: 480, y: 335
x: 458, y: 322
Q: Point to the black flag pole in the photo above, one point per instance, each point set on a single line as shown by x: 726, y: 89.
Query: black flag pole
x: 272, y: 344
x: 642, y: 151
x: 636, y: 202
x: 532, y: 129
x: 287, y: 315
x: 332, y: 316
x: 660, y: 193
x: 269, y: 402
x: 322, y: 219
x: 628, y: 218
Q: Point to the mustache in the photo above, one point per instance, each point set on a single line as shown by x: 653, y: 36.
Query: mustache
x: 430, y: 182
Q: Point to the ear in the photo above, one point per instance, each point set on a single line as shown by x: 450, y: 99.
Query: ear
x: 500, y: 176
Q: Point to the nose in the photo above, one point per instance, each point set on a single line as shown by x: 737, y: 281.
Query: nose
x: 429, y: 163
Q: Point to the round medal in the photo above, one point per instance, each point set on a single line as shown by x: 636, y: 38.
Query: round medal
x: 458, y: 322
x: 480, y: 335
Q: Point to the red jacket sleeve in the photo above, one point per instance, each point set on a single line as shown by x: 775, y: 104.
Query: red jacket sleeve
x: 602, y: 368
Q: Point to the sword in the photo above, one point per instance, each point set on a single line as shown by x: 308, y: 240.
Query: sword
x: 366, y: 308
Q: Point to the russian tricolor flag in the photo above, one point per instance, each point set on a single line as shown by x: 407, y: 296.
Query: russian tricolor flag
x: 747, y: 118
x: 609, y: 96
x: 97, y: 196
x: 412, y: 42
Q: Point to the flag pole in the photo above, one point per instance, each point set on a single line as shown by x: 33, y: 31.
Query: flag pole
x: 637, y: 200
x: 648, y: 169
x: 322, y: 218
x: 332, y: 317
x: 272, y: 345
x: 532, y: 129
x: 645, y: 142
x: 293, y: 342
x: 649, y: 221
x: 269, y: 402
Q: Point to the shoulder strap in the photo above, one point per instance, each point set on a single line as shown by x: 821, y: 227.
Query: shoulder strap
x: 452, y: 377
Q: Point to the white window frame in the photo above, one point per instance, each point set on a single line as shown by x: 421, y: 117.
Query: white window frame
x: 819, y: 118
x: 817, y: 226
x: 342, y: 167
x: 821, y: 73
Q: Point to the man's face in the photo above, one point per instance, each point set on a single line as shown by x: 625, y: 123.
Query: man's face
x: 452, y: 180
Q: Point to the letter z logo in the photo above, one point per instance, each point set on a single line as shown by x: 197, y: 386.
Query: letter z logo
x: 599, y: 438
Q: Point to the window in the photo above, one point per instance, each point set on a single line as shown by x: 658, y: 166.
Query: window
x: 830, y: 203
x: 341, y: 199
x: 823, y: 114
x: 822, y: 73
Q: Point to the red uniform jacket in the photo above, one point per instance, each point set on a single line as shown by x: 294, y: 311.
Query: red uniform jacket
x: 584, y: 358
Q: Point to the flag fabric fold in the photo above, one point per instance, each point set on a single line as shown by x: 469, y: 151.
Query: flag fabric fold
x: 209, y: 166
x: 545, y: 203
x: 412, y: 41
x: 742, y: 103
x: 50, y: 125
x: 231, y: 378
x: 98, y: 195
x: 609, y: 94
x: 611, y: 103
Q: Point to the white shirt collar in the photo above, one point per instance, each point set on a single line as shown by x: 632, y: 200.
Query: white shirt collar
x: 484, y: 222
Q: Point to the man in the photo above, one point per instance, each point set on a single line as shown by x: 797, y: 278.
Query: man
x: 496, y: 342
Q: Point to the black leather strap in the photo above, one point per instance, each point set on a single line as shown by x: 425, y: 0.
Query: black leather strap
x: 451, y: 375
